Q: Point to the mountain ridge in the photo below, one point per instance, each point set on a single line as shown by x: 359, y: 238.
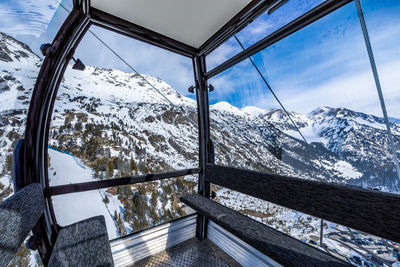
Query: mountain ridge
x: 113, y: 124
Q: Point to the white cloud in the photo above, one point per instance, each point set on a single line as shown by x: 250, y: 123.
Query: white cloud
x: 26, y: 17
x: 354, y: 91
x: 332, y: 71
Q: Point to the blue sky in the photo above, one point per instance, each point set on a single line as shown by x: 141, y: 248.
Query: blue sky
x: 325, y: 64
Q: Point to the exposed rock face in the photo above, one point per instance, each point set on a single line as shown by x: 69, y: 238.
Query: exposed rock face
x: 117, y: 125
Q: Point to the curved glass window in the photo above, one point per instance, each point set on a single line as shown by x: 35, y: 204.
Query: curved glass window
x: 115, y: 120
x: 316, y: 116
x: 119, y: 121
x: 24, y: 26
x: 280, y: 14
x: 322, y: 76
x: 384, y: 36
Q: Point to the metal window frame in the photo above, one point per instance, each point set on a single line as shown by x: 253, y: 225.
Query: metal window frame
x: 237, y: 23
x: 115, y: 24
x: 35, y: 148
x: 87, y: 186
x: 65, y: 43
x: 38, y: 120
x: 38, y: 124
x: 199, y: 66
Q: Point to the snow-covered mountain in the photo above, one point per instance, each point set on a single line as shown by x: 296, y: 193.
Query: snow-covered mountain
x: 112, y: 124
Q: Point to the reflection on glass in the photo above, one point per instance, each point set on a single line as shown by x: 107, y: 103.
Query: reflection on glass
x: 322, y: 76
x: 130, y: 208
x: 110, y: 121
x: 348, y: 244
x: 24, y: 26
x: 122, y: 123
x: 384, y: 36
x: 264, y: 25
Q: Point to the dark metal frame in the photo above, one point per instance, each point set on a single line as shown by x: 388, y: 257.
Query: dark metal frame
x: 254, y: 9
x: 110, y: 22
x: 204, y: 134
x: 39, y: 115
x: 87, y: 186
x: 63, y: 47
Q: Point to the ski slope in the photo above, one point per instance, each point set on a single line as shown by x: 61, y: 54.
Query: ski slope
x: 70, y: 208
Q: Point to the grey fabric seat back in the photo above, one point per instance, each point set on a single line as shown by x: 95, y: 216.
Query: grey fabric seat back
x: 18, y: 215
x: 84, y: 243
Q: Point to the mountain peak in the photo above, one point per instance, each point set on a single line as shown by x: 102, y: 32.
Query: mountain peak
x: 225, y: 106
x: 12, y: 50
x: 255, y: 111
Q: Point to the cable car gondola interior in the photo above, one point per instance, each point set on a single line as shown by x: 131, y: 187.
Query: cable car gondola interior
x: 112, y: 165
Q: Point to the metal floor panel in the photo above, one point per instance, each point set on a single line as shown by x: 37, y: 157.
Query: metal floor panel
x: 190, y: 253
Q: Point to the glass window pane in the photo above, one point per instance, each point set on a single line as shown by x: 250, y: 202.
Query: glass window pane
x: 322, y: 76
x: 117, y: 122
x: 110, y: 121
x: 261, y: 27
x: 334, y: 131
x: 128, y: 209
x: 24, y: 26
x: 383, y: 23
x: 33, y: 22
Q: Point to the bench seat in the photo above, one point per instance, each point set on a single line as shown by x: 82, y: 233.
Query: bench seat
x: 278, y: 246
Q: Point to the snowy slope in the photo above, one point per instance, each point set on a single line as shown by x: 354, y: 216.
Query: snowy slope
x: 70, y: 208
x: 255, y: 111
x: 113, y: 124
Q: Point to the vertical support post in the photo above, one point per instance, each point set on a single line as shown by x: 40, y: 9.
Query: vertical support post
x: 204, y: 131
x: 377, y: 83
x: 321, y: 234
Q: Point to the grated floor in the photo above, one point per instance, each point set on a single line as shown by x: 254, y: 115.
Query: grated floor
x: 190, y: 253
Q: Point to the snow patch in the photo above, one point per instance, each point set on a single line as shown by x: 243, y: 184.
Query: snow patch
x: 227, y: 107
x: 74, y: 207
x: 347, y: 170
x: 254, y: 111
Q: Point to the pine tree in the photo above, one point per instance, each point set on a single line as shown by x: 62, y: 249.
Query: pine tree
x: 121, y: 226
x: 110, y: 168
x: 78, y: 126
x: 106, y: 200
x: 21, y: 258
x: 154, y: 216
x: 154, y: 199
x: 133, y: 166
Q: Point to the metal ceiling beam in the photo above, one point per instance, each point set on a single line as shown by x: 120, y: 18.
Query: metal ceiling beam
x: 115, y: 24
x: 238, y: 22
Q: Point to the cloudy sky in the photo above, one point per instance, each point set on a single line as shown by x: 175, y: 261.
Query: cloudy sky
x: 324, y: 64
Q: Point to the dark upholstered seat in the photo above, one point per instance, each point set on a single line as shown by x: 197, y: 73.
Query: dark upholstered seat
x: 84, y: 243
x: 18, y: 214
x: 278, y: 246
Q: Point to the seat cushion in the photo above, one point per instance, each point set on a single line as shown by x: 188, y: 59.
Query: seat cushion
x: 280, y: 247
x: 18, y: 214
x: 84, y: 243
